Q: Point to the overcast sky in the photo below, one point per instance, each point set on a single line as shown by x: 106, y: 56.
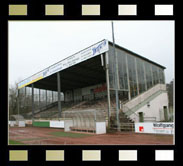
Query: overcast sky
x: 35, y: 45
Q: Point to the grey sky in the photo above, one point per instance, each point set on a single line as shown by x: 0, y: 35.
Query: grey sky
x: 35, y: 45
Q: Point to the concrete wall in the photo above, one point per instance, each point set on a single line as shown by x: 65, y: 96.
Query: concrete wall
x: 154, y: 109
x: 139, y: 99
x: 150, y: 103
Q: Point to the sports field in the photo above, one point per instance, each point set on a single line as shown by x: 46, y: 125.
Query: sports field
x: 50, y: 136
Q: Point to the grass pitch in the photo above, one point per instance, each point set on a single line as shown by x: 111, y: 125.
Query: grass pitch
x: 12, y: 142
x: 68, y: 134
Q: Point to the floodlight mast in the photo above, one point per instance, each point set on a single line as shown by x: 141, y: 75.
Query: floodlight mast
x: 18, y: 106
x: 116, y: 79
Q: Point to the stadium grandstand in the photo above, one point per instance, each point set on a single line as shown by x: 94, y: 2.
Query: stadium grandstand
x: 81, y: 89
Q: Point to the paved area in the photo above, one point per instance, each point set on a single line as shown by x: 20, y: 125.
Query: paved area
x: 40, y: 136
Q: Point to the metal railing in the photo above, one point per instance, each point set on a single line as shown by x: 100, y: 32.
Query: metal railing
x: 130, y: 127
x: 149, y: 119
x: 125, y: 109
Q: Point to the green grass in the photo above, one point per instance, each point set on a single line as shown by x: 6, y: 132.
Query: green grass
x: 12, y: 142
x: 67, y: 134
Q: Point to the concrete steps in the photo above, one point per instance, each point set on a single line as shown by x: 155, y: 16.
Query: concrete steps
x: 126, y: 124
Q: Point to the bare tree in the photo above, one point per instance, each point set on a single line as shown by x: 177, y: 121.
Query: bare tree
x: 18, y: 100
x: 170, y: 89
x: 170, y: 92
x: 13, y: 100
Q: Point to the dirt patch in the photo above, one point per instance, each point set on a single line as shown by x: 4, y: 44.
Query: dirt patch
x: 43, y: 136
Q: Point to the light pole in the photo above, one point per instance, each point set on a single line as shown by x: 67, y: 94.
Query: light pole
x: 116, y: 79
x: 18, y: 106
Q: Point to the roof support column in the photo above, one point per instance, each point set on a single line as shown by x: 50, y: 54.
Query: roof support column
x: 25, y: 97
x: 137, y: 81
x: 152, y: 77
x: 25, y: 91
x: 32, y: 101
x: 46, y: 98
x: 159, y: 81
x: 52, y: 96
x: 164, y: 82
x: 145, y: 76
x: 59, y: 91
x: 128, y: 80
x: 39, y: 98
x: 108, y: 87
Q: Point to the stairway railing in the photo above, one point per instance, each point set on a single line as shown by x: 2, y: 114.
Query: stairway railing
x: 44, y: 108
x: 126, y: 109
x: 130, y: 127
x: 141, y: 97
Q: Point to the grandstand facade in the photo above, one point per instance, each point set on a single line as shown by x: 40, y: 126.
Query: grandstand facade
x: 85, y: 81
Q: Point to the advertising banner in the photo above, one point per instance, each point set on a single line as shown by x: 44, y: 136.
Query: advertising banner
x: 81, y: 56
x: 155, y: 127
x: 57, y: 124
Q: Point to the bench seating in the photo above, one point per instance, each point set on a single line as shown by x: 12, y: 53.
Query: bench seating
x: 88, y: 129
